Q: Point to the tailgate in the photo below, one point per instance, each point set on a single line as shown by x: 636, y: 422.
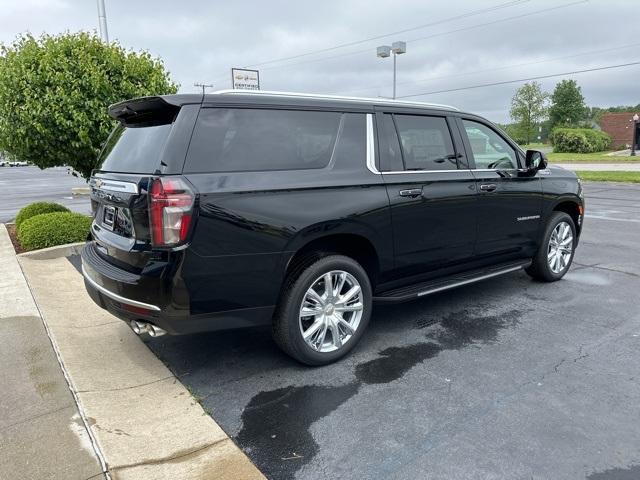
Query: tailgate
x: 148, y: 142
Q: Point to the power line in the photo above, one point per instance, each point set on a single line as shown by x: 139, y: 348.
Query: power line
x: 540, y: 77
x: 503, y: 67
x: 440, y: 34
x: 512, y: 3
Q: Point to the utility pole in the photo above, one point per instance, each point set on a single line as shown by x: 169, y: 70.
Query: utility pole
x: 102, y: 21
x: 203, y: 85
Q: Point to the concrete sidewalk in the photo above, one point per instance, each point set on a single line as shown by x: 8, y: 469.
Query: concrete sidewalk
x: 42, y: 434
x: 145, y: 422
x: 601, y: 167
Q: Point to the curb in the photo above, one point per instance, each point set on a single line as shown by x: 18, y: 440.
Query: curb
x: 54, y: 252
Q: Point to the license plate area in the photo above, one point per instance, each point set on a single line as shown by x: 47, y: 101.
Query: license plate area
x: 108, y: 217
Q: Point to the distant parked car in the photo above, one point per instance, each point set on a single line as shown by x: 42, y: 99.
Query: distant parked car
x: 18, y: 164
x: 3, y: 163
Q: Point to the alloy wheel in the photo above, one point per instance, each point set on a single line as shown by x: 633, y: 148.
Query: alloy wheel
x: 560, y: 247
x: 331, y: 311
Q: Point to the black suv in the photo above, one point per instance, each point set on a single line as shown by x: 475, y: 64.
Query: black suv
x: 238, y: 209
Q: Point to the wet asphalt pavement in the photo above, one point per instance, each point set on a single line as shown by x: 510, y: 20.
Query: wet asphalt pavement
x: 508, y: 378
x: 20, y: 186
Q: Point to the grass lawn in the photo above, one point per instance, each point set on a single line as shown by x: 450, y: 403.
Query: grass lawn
x: 533, y: 146
x: 598, y: 157
x: 632, y: 177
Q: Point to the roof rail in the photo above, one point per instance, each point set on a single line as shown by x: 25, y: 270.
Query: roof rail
x: 381, y: 101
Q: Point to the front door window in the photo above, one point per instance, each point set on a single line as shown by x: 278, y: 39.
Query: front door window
x: 490, y: 150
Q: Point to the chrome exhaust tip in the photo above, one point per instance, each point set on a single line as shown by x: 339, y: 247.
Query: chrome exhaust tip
x: 139, y: 327
x: 154, y: 331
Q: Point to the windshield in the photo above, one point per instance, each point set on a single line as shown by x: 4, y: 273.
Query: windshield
x: 134, y: 149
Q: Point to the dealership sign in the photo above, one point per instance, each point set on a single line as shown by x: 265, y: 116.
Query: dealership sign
x: 244, y: 79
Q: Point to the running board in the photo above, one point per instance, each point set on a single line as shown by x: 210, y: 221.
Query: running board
x: 411, y: 292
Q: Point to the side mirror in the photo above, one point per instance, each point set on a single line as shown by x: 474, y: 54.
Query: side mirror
x: 535, y: 161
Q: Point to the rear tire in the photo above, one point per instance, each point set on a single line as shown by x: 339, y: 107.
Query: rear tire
x: 317, y: 325
x: 554, y: 257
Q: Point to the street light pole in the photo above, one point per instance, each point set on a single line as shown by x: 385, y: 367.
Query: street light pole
x: 102, y: 21
x: 394, y: 76
x: 635, y: 133
x: 396, y: 48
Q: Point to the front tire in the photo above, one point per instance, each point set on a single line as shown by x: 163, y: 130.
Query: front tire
x: 323, y: 311
x: 554, y: 257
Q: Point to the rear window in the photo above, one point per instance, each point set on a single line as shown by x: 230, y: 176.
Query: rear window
x: 232, y: 140
x: 134, y: 149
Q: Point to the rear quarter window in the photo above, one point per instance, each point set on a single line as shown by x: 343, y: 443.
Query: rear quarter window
x: 235, y: 140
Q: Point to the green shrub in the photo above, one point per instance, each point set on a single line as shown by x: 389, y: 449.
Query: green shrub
x: 51, y: 229
x: 38, y: 208
x: 579, y: 140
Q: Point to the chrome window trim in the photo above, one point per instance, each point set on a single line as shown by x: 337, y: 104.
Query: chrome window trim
x: 113, y: 185
x: 115, y: 296
x: 411, y: 172
x: 371, y: 159
x: 371, y: 146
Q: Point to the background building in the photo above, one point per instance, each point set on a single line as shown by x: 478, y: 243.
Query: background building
x: 620, y: 127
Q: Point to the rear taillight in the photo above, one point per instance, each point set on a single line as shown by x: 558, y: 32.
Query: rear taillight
x: 170, y: 211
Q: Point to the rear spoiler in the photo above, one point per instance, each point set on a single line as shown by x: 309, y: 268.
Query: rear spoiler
x: 144, y: 112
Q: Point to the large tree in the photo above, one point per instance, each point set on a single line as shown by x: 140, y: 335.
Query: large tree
x: 567, y: 105
x: 54, y: 94
x: 528, y: 109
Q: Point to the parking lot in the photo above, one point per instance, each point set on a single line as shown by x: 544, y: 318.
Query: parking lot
x: 23, y: 185
x: 508, y: 378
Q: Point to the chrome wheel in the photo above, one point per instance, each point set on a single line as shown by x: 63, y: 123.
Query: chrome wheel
x: 560, y: 247
x: 331, y: 311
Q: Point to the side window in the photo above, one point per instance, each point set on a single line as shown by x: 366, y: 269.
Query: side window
x: 426, y: 143
x: 489, y: 149
x: 228, y: 140
x: 393, y: 155
x: 351, y: 146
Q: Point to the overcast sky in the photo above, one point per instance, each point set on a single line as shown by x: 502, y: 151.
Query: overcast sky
x: 201, y: 40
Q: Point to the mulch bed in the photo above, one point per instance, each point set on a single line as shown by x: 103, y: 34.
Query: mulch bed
x: 13, y: 235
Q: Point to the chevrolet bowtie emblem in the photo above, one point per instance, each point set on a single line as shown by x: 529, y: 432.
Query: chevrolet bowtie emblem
x: 98, y: 183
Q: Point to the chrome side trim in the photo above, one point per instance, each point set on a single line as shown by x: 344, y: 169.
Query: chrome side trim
x: 115, y: 296
x: 371, y: 146
x: 113, y: 185
x: 458, y: 170
x: 377, y: 101
x: 471, y: 280
x: 411, y: 172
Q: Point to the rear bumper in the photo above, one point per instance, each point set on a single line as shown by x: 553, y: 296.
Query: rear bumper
x: 114, y: 296
x: 162, y: 301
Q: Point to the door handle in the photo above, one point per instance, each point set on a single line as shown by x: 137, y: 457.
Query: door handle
x: 411, y: 192
x: 488, y: 187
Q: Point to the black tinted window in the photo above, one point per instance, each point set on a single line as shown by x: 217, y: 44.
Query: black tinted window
x: 351, y: 146
x: 227, y: 140
x: 134, y: 149
x: 393, y: 155
x: 426, y: 143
